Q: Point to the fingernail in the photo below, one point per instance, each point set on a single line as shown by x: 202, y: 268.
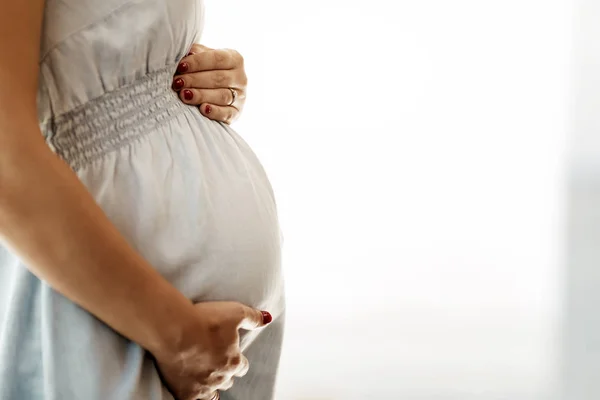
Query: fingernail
x: 183, y: 67
x: 178, y: 83
x: 188, y: 95
x: 208, y: 109
x: 267, y: 317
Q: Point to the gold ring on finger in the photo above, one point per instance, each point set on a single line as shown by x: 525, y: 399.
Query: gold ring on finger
x: 233, y: 98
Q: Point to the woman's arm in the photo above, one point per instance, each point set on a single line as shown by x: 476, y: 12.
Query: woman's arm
x: 48, y: 218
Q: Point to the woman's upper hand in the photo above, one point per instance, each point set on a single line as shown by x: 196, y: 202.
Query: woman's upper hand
x: 213, y: 80
x: 208, y: 356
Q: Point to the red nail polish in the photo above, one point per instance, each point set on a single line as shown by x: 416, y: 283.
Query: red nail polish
x: 188, y: 95
x: 178, y: 84
x: 208, y: 109
x: 183, y: 67
x: 267, y: 317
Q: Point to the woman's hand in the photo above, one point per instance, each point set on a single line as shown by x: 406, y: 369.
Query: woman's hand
x: 213, y: 80
x: 208, y: 356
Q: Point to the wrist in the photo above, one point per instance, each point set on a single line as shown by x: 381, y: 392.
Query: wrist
x: 171, y: 332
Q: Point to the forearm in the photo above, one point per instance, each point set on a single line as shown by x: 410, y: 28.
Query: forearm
x: 48, y: 218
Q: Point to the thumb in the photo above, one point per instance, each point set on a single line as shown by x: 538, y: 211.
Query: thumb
x: 254, y: 318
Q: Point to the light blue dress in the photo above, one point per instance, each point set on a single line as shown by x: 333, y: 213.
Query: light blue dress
x: 187, y: 192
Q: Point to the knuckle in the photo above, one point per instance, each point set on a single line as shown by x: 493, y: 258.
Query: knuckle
x: 220, y: 366
x: 240, y: 312
x: 230, y: 116
x: 220, y: 77
x: 218, y: 379
x: 220, y: 58
x: 243, y: 370
x: 226, y: 96
x: 235, y: 361
x: 214, y: 327
x: 237, y: 57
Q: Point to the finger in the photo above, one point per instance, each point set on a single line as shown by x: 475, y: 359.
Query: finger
x: 219, y: 97
x: 219, y: 113
x: 208, y: 80
x: 243, y: 367
x: 253, y: 318
x: 198, y: 48
x: 209, y: 60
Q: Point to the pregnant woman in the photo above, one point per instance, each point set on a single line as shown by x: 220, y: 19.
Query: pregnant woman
x: 140, y: 247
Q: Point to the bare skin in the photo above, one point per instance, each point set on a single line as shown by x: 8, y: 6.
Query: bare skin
x: 53, y: 224
x: 204, y: 79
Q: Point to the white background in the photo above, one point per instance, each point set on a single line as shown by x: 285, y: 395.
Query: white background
x: 417, y: 151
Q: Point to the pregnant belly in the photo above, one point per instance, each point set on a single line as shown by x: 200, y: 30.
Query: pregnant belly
x: 194, y: 200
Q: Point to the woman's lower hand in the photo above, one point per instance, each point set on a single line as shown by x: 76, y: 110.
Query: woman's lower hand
x: 208, y: 356
x: 213, y: 80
